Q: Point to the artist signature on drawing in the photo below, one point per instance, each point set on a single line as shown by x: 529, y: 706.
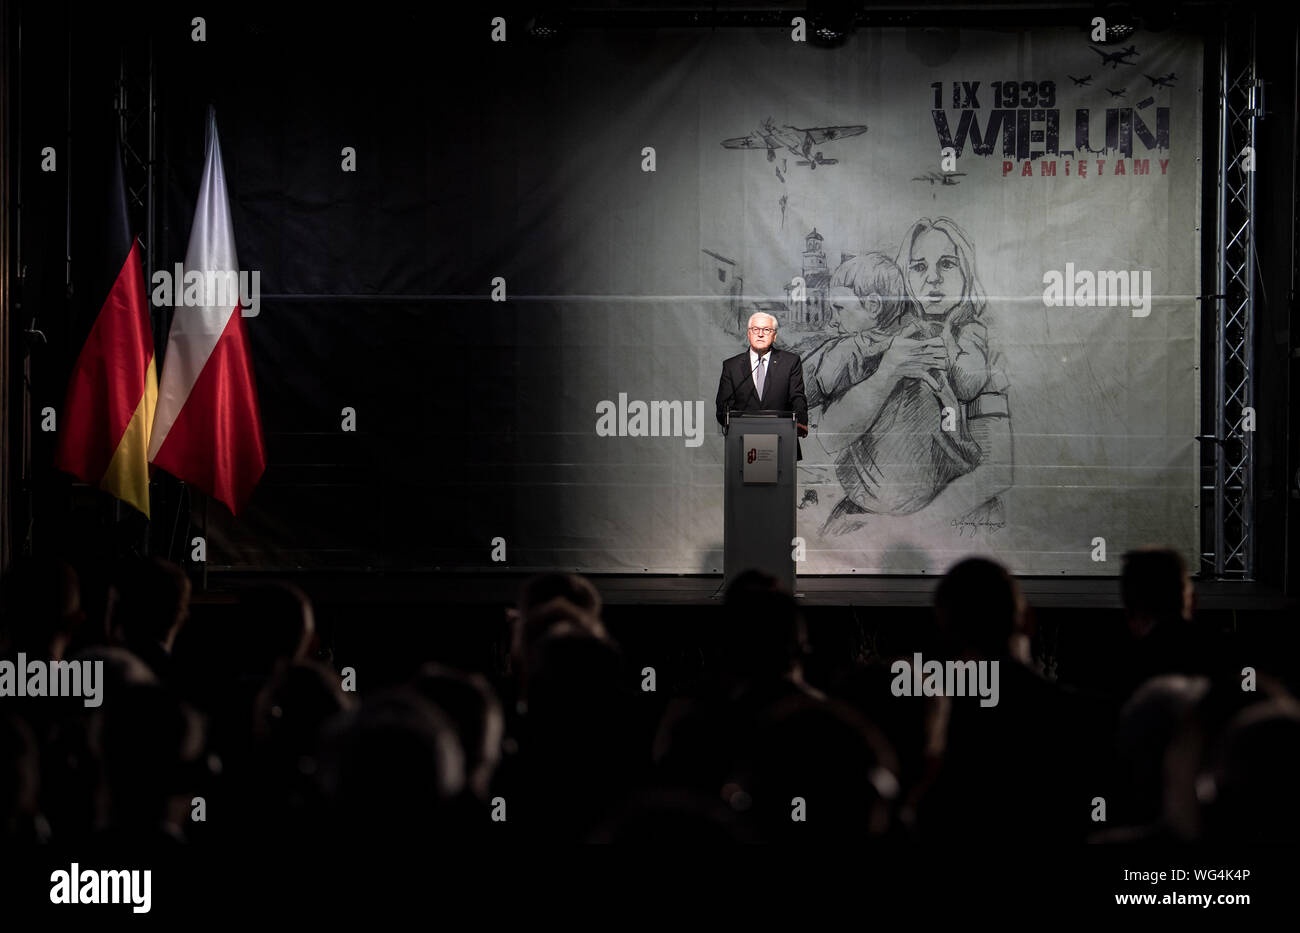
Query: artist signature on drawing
x: 967, y: 527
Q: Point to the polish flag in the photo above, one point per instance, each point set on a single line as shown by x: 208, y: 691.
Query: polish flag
x: 207, y: 428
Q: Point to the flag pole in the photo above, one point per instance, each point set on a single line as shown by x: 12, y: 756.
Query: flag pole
x: 204, y: 586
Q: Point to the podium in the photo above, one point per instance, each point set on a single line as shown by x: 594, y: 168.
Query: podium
x: 759, y: 495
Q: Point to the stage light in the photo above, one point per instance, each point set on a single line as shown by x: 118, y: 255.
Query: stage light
x: 1118, y: 32
x: 830, y: 21
x: 546, y: 26
x: 1121, y: 22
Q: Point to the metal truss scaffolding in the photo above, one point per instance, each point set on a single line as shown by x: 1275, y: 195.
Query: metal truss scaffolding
x: 1240, y: 106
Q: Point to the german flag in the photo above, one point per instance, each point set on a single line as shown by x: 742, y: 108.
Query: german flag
x: 103, y: 435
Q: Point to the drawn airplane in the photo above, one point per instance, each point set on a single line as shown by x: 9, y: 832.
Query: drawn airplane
x: 798, y: 140
x: 1115, y: 59
x: 1162, y: 80
x: 1120, y: 93
x: 1080, y: 82
x: 943, y: 178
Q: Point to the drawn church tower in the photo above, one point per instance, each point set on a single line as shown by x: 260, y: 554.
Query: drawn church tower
x: 817, y: 278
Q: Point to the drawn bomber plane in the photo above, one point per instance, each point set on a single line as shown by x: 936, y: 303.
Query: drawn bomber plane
x: 1115, y: 59
x: 1080, y: 82
x: 949, y: 178
x: 1161, y: 80
x: 798, y: 140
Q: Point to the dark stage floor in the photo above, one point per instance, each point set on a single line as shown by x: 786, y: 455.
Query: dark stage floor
x: 702, y: 590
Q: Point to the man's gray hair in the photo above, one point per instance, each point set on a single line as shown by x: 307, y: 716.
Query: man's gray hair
x: 762, y: 314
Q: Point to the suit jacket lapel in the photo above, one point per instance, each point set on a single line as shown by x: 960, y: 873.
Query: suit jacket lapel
x: 748, y: 375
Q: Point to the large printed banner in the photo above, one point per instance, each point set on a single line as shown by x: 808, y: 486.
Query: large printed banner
x: 1029, y: 198
x: 984, y: 245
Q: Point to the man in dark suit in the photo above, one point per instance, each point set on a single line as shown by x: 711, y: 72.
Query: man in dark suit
x: 763, y: 378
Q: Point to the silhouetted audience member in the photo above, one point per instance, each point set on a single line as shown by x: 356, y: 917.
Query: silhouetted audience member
x: 815, y: 771
x: 277, y: 786
x: 761, y: 642
x: 981, y: 611
x: 1254, y: 797
x: 578, y: 755
x: 764, y: 636
x: 547, y: 602
x: 545, y: 587
x: 916, y: 727
x: 153, y: 751
x: 1006, y: 770
x: 1148, y: 724
x: 226, y: 667
x: 1159, y: 607
x: 1194, y: 757
x: 472, y: 705
x: 21, y: 820
x: 391, y: 771
x: 70, y: 766
x: 294, y: 705
x: 122, y: 668
x: 279, y: 624
x: 554, y: 748
x: 150, y: 603
x: 40, y: 608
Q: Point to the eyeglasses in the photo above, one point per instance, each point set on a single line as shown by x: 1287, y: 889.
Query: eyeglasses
x: 762, y: 330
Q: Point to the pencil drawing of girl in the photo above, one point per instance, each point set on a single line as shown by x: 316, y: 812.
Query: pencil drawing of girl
x: 914, y: 406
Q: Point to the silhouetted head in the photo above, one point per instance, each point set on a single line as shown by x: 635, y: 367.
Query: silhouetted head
x: 391, y: 767
x: 121, y: 669
x: 472, y: 705
x: 277, y: 622
x: 153, y: 748
x: 580, y: 740
x: 573, y: 671
x: 980, y: 609
x: 41, y: 602
x: 545, y: 587
x: 295, y: 704
x: 1189, y: 792
x: 549, y: 603
x: 764, y: 634
x: 1257, y: 781
x: 1155, y: 587
x: 151, y: 602
x: 1148, y: 723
